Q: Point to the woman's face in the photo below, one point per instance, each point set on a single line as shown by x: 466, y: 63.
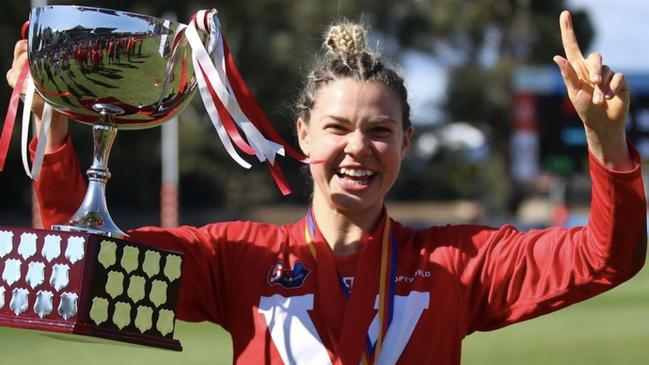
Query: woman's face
x: 356, y: 129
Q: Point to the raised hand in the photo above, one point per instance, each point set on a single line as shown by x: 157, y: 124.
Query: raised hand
x: 600, y: 97
x: 59, y: 127
x: 20, y: 58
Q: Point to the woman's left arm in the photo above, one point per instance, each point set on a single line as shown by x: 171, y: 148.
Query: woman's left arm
x: 511, y: 276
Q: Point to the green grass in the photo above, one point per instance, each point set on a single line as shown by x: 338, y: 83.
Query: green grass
x: 203, y: 343
x: 610, y: 329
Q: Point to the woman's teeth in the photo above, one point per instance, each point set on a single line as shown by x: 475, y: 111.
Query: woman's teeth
x: 356, y: 176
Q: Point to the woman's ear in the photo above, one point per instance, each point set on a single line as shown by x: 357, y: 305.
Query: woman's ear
x: 407, y: 141
x: 303, y: 135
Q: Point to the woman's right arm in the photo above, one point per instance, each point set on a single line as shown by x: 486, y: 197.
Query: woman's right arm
x: 61, y: 187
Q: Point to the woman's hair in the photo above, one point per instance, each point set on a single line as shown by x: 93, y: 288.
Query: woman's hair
x: 347, y: 56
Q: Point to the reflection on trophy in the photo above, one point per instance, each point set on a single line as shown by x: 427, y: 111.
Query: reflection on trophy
x: 113, y: 70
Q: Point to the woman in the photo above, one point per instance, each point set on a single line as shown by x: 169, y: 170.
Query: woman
x: 347, y: 284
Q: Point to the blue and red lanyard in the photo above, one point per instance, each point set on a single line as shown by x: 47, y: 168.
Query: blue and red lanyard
x: 389, y: 259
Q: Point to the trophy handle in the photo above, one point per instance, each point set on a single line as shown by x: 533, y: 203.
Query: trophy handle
x: 92, y: 216
x: 24, y: 30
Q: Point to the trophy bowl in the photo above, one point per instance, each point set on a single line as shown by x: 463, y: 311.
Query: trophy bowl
x: 113, y: 70
x: 84, y: 60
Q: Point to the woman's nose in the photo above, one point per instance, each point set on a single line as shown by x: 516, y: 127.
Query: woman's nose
x: 357, y: 143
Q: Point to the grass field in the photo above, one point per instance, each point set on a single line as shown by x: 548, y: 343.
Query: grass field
x: 610, y: 329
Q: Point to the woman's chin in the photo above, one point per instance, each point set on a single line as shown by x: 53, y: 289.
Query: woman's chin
x: 351, y: 196
x: 350, y: 204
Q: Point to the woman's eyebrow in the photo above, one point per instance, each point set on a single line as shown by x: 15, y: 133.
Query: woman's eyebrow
x: 379, y: 119
x: 385, y: 119
x: 337, y: 118
x: 382, y: 119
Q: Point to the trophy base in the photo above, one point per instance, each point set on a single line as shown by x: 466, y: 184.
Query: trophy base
x: 78, y: 283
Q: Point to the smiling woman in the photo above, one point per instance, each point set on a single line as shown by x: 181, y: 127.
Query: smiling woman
x: 347, y: 284
x: 356, y: 129
x: 354, y: 117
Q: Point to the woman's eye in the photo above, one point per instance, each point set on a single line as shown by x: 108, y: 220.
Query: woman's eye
x: 381, y: 131
x: 336, y: 128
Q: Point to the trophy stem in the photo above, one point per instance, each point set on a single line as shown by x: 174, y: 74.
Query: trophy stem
x: 92, y: 216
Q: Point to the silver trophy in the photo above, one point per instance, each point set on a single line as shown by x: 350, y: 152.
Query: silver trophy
x: 113, y: 70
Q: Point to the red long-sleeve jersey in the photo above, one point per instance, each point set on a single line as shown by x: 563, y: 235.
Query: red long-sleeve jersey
x: 264, y: 285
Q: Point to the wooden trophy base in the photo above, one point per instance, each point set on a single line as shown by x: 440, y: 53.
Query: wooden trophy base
x: 88, y: 284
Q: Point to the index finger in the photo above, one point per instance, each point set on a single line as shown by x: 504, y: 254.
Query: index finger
x: 20, y: 48
x: 568, y: 38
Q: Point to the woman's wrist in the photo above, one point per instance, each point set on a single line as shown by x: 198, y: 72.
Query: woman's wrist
x: 58, y: 132
x: 610, y: 149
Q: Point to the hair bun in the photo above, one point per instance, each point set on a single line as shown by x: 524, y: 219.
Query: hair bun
x: 346, y: 38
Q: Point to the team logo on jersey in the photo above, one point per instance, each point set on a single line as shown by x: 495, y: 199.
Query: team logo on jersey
x: 288, y: 278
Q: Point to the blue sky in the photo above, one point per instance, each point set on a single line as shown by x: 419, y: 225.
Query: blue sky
x: 621, y: 32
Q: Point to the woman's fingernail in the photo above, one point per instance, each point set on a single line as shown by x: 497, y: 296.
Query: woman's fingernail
x: 595, y: 78
x: 597, y: 98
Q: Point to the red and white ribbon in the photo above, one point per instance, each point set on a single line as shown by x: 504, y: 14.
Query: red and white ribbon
x: 46, y: 119
x: 211, y: 76
x: 12, y: 111
x: 10, y: 118
x: 237, y: 117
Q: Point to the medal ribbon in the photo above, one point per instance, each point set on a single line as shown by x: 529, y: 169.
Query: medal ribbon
x: 386, y: 286
x: 389, y: 259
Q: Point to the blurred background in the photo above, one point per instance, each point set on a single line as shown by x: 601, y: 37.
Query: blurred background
x: 496, y: 141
